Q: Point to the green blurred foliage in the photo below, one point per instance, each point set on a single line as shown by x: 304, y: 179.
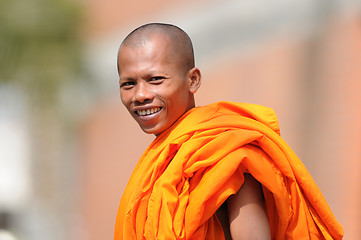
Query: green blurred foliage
x: 39, y: 45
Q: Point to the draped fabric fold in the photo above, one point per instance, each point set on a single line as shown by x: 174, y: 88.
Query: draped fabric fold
x: 188, y: 171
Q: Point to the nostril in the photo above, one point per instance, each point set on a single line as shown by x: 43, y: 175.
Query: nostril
x: 144, y: 101
x: 141, y: 98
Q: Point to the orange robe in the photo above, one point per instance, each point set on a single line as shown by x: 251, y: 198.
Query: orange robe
x: 191, y: 169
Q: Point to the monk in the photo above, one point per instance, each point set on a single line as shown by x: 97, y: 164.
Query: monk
x: 219, y: 171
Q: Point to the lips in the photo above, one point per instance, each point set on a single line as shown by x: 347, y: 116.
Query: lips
x: 146, y: 112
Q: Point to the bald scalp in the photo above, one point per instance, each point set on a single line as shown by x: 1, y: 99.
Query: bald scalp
x: 181, y: 47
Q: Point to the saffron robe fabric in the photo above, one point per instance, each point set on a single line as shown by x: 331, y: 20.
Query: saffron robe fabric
x: 191, y: 169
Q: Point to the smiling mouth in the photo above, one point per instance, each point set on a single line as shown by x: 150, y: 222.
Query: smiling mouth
x: 147, y: 112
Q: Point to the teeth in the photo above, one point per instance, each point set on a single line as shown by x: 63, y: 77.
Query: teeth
x: 148, y: 111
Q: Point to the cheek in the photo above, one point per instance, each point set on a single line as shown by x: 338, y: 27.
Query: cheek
x: 178, y: 104
x: 124, y: 97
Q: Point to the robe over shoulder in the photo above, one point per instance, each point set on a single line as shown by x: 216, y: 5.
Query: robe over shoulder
x: 188, y: 171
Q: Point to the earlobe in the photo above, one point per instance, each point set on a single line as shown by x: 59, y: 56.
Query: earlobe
x: 194, y: 79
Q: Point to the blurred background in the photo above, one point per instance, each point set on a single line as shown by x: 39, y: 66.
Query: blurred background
x: 68, y: 146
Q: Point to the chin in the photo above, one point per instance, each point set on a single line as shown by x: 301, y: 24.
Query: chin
x: 156, y: 130
x: 150, y: 130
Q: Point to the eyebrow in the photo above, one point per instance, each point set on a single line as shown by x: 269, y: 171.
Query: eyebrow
x: 126, y: 79
x: 146, y: 75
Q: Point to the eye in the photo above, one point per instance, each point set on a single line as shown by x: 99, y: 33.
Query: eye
x: 156, y: 79
x: 127, y: 84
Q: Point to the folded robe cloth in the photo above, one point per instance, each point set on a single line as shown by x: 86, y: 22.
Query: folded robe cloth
x: 191, y: 169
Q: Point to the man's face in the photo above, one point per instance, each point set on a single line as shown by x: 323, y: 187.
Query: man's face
x: 153, y: 87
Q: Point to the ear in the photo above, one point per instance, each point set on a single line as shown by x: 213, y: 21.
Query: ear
x: 194, y: 76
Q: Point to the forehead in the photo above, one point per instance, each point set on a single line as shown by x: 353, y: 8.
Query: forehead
x: 159, y: 42
x: 156, y: 51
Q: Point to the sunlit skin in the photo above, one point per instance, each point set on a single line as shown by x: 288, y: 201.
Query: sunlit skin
x: 151, y: 79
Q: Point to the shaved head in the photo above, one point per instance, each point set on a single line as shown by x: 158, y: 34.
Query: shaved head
x: 157, y: 76
x: 181, y: 44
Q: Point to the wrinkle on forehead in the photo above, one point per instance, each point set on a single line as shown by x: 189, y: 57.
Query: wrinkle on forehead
x: 152, y: 59
x: 156, y: 52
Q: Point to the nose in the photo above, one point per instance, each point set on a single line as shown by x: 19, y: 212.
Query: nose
x: 142, y: 93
